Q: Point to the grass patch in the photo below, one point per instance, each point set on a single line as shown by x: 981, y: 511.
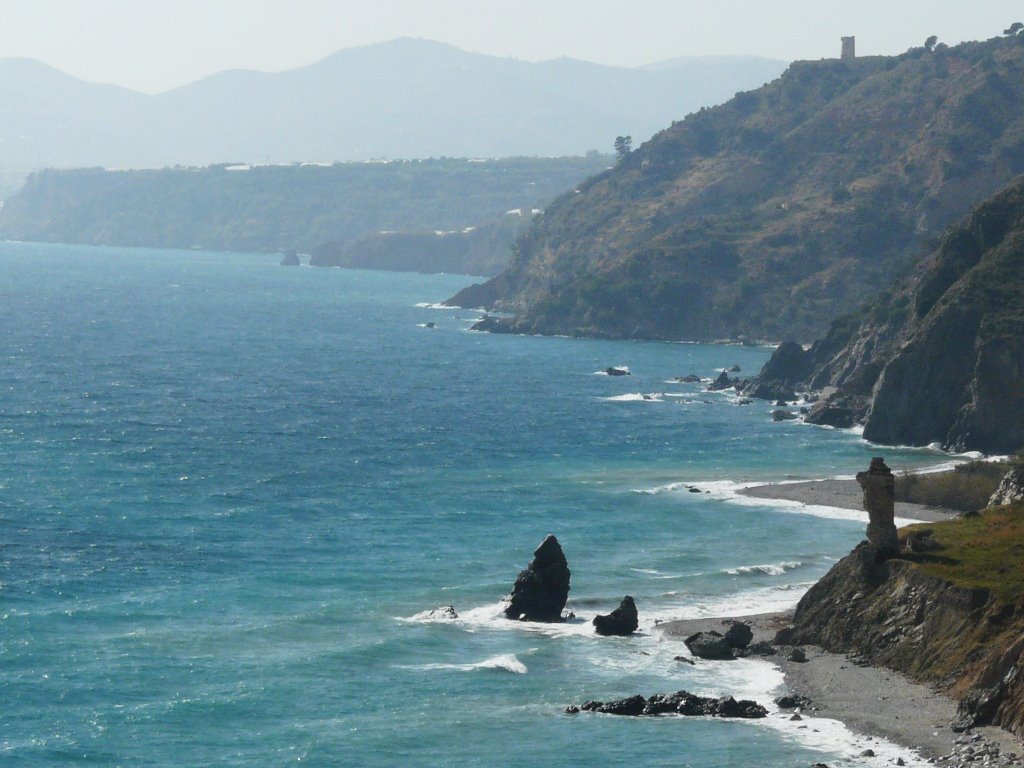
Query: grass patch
x: 966, y: 488
x: 983, y: 551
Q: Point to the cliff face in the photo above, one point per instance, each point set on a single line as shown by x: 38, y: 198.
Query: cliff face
x: 940, y: 356
x: 770, y: 215
x: 931, y: 617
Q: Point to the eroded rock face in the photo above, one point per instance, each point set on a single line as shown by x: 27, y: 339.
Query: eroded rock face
x: 540, y: 592
x: 739, y: 634
x: 722, y: 382
x: 1011, y: 488
x: 879, y: 488
x: 622, y: 621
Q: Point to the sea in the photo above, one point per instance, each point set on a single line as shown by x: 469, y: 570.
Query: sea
x: 232, y: 492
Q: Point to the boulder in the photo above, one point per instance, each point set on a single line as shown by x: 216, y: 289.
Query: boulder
x: 541, y: 591
x: 761, y: 648
x: 709, y: 645
x: 1011, y: 488
x: 722, y: 382
x: 797, y: 655
x: 622, y: 621
x: 632, y: 706
x: 779, y: 415
x: 793, y: 701
x: 688, y: 379
x: 739, y: 634
x: 617, y: 371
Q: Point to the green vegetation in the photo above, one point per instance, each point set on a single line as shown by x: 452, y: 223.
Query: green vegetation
x: 772, y: 214
x: 979, y: 552
x: 967, y: 487
x: 267, y: 208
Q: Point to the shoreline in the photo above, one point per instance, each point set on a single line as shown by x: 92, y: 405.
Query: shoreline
x: 841, y: 493
x: 875, y: 702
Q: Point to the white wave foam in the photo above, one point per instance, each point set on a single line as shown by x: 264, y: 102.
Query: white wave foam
x: 429, y: 305
x: 506, y: 661
x: 634, y: 397
x: 769, y: 569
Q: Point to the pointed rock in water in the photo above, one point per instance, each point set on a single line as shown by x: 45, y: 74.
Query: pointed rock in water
x: 622, y: 621
x: 722, y: 382
x: 291, y: 259
x: 540, y: 592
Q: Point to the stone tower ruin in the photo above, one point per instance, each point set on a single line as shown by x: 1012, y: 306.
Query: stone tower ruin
x: 849, y: 48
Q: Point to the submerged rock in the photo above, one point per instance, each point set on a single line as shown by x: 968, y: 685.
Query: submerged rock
x: 541, y: 591
x: 622, y: 621
x: 688, y: 379
x: 709, y: 645
x: 678, y: 703
x: 441, y: 613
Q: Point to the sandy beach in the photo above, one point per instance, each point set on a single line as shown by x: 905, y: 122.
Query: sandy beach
x: 845, y: 494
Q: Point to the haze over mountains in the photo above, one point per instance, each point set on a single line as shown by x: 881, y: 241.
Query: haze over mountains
x: 407, y: 98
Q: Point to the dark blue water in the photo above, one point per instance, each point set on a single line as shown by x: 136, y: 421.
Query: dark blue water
x: 227, y: 488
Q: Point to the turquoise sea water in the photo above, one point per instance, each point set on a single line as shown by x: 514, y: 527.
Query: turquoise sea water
x: 228, y: 488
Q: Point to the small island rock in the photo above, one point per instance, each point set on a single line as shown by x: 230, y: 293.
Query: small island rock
x: 541, y: 591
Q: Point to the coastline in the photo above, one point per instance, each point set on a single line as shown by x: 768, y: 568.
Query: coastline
x: 842, y: 493
x: 872, y: 701
x: 875, y: 702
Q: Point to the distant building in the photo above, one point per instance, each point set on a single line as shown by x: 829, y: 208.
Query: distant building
x: 849, y: 48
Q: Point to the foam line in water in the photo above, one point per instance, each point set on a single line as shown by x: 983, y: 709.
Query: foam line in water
x: 634, y: 397
x: 768, y: 569
x: 506, y: 662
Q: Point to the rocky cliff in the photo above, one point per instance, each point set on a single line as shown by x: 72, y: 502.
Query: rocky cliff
x: 951, y: 616
x: 768, y: 216
x: 940, y: 356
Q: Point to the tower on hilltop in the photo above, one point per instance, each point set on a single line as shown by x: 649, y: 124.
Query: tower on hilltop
x: 849, y: 48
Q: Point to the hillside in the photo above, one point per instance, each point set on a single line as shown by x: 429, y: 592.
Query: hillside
x: 482, y: 250
x: 940, y: 356
x: 281, y: 207
x: 404, y: 98
x: 770, y: 215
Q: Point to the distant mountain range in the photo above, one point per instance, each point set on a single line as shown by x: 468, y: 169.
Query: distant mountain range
x: 406, y: 98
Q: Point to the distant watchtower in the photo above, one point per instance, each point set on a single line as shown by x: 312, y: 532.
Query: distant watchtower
x: 849, y: 48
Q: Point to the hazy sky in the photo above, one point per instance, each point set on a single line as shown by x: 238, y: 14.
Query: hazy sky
x: 153, y: 45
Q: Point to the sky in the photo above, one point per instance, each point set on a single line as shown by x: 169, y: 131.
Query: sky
x: 155, y: 45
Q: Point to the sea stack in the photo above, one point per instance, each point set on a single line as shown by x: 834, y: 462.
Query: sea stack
x: 623, y: 621
x: 879, y: 488
x: 540, y: 591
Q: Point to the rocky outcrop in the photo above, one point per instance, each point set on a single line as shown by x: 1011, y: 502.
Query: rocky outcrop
x: 891, y: 613
x: 786, y: 369
x: 722, y: 382
x: 678, y: 703
x: 1011, y: 488
x: 291, y: 259
x: 617, y: 370
x: 623, y: 621
x: 939, y: 357
x: 541, y: 591
x: 738, y: 635
x: 709, y: 645
x: 879, y: 487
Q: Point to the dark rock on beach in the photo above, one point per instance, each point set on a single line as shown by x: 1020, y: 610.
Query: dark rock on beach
x: 739, y: 635
x: 541, y: 591
x: 709, y: 645
x: 622, y: 621
x: 793, y: 702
